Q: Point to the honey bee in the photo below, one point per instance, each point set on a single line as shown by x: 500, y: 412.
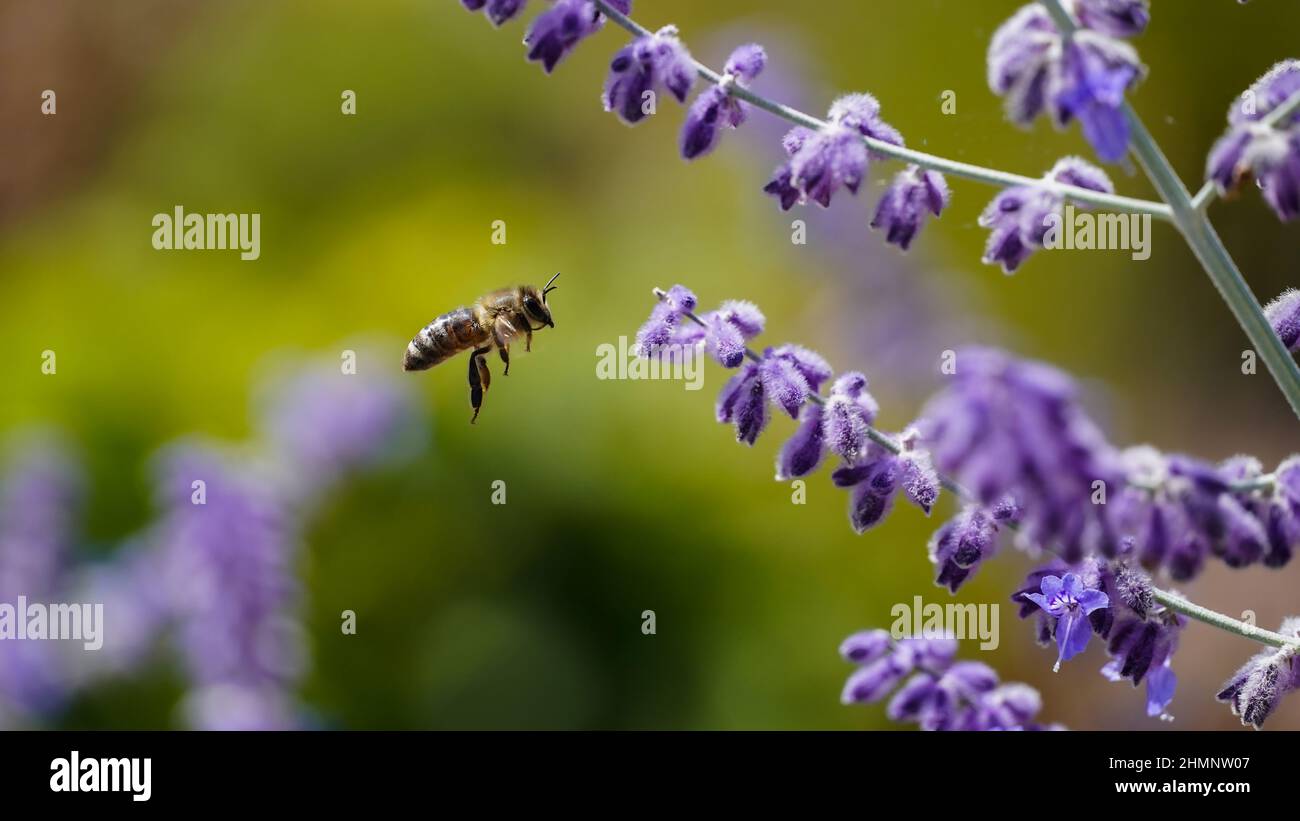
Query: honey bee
x: 493, y: 321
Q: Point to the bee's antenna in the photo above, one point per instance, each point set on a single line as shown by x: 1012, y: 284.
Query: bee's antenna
x: 549, y: 287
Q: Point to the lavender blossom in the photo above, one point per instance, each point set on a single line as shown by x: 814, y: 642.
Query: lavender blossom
x: 850, y: 411
x: 879, y: 474
x: 822, y: 162
x: 234, y: 594
x: 959, y: 547
x: 941, y: 693
x: 665, y: 328
x: 727, y: 329
x: 802, y: 453
x: 1284, y: 315
x: 136, y: 610
x: 1255, y: 690
x: 1021, y: 216
x: 744, y: 399
x: 1181, y: 510
x: 640, y: 68
x: 1269, y: 153
x: 1070, y: 603
x: 558, y: 30
x: 715, y: 108
x: 1117, y: 18
x: 902, y: 208
x: 322, y: 424
x: 40, y: 500
x: 1014, y: 429
x: 1082, y: 77
x: 1143, y: 648
x: 499, y: 12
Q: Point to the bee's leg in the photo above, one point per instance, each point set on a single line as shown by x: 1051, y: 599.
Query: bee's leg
x: 479, y: 380
x: 503, y: 347
x: 504, y: 350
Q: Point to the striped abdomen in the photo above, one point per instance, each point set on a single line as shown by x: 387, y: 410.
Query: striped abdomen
x: 443, y: 338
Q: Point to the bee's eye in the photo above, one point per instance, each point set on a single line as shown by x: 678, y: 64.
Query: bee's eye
x: 531, y: 306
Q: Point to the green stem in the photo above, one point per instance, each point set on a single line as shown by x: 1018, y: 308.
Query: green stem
x: 1171, y: 600
x: 1205, y: 244
x: 1215, y: 619
x: 978, y: 173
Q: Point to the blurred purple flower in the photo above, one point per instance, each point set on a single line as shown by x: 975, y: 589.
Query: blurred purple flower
x: 941, y: 693
x: 320, y: 423
x: 1082, y: 77
x: 229, y: 550
x: 556, y: 31
x: 498, y: 12
x: 1118, y: 18
x: 1008, y: 428
x: 41, y: 492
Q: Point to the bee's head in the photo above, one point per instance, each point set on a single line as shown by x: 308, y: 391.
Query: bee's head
x: 534, y: 299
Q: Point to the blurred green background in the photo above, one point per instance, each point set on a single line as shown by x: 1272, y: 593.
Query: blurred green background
x: 622, y: 496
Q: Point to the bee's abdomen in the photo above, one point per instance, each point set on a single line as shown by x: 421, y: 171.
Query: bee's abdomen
x: 443, y: 338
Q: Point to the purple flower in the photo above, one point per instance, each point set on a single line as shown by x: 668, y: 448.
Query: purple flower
x: 866, y: 646
x: 640, y: 68
x: 1287, y: 485
x: 744, y: 403
x: 802, y: 453
x: 1118, y: 18
x: 959, y: 547
x: 1070, y: 603
x: 1179, y: 510
x: 715, y: 108
x: 901, y: 210
x: 1284, y: 315
x: 323, y: 424
x: 812, y: 365
x: 41, y: 495
x: 560, y: 28
x: 135, y: 610
x: 664, y: 327
x: 1255, y: 690
x: 234, y: 593
x: 774, y: 378
x: 1269, y: 153
x: 1012, y: 429
x: 727, y: 329
x: 497, y: 11
x: 879, y: 475
x: 850, y: 411
x: 1082, y: 77
x: 1020, y: 217
x: 873, y: 482
x: 940, y: 693
x: 1142, y: 648
x: 822, y: 162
